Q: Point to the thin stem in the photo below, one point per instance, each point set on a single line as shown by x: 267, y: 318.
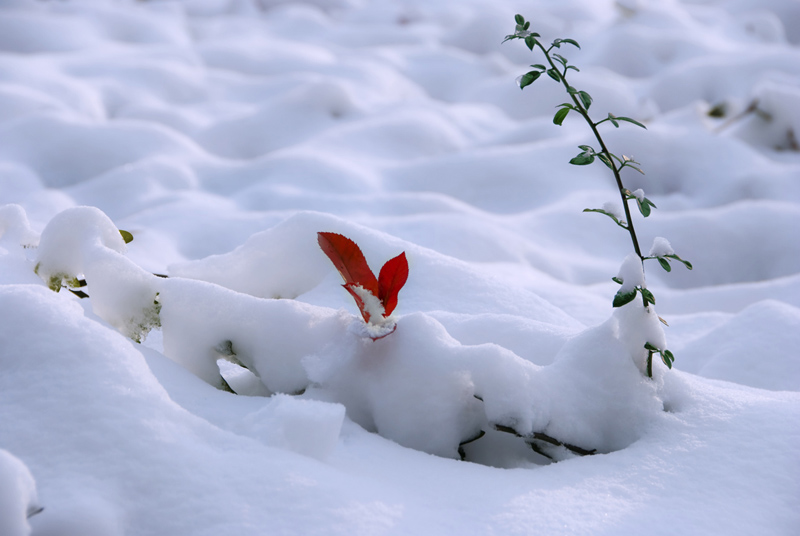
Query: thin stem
x: 604, y: 150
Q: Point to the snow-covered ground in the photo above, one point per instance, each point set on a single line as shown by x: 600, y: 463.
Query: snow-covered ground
x: 225, y: 134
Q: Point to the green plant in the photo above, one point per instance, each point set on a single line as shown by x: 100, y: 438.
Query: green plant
x: 557, y: 68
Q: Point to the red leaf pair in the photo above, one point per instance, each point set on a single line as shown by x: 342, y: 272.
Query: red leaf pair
x: 346, y: 256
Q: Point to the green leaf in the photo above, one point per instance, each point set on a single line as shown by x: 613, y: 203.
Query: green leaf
x: 586, y: 148
x: 667, y: 358
x: 719, y: 110
x: 573, y: 68
x: 616, y: 280
x: 622, y: 298
x: 539, y: 66
x: 613, y: 120
x: 126, y: 236
x: 664, y: 264
x: 650, y: 347
x: 571, y: 42
x: 583, y: 159
x: 585, y: 98
x: 650, y: 203
x: 552, y: 73
x: 560, y: 115
x: 529, y: 78
x: 519, y: 19
x: 560, y: 59
x: 604, y: 159
x: 601, y: 211
x: 644, y: 208
x: 530, y: 41
x: 648, y: 296
x: 629, y: 120
x: 571, y: 90
x: 526, y: 25
x: 685, y: 263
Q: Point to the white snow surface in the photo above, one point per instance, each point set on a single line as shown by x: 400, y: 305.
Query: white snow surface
x: 225, y: 134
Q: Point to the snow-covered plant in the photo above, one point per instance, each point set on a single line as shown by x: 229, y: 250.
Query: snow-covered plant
x: 376, y: 297
x: 81, y: 246
x: 631, y: 277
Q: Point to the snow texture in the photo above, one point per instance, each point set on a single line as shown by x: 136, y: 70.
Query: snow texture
x: 225, y: 134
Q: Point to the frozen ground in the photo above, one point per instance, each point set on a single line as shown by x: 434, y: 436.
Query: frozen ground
x: 224, y: 134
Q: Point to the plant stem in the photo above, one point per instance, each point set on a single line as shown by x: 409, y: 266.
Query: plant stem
x: 604, y: 150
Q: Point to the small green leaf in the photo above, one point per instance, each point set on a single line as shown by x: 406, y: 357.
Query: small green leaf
x: 539, y: 66
x: 650, y: 347
x: 644, y: 208
x: 601, y: 211
x: 685, y: 263
x: 571, y: 42
x: 604, y: 159
x: 560, y: 59
x: 613, y: 120
x: 560, y: 115
x: 571, y: 90
x: 126, y: 236
x: 529, y: 78
x: 720, y: 110
x: 573, y: 68
x: 519, y: 19
x: 586, y: 148
x: 530, y: 41
x: 552, y: 73
x: 526, y: 25
x: 622, y: 298
x: 583, y: 159
x: 650, y: 203
x: 616, y: 280
x: 664, y: 264
x: 629, y: 120
x: 667, y: 358
x: 648, y: 296
x: 585, y: 98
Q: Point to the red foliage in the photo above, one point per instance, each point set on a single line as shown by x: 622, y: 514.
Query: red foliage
x: 348, y: 259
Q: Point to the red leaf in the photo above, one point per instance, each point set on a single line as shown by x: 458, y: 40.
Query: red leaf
x: 359, y: 302
x: 393, y: 276
x: 346, y: 256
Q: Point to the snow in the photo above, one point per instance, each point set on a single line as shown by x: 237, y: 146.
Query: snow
x: 225, y: 134
x: 660, y: 247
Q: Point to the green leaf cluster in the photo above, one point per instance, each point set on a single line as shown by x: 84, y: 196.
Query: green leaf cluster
x: 624, y: 297
x: 666, y: 357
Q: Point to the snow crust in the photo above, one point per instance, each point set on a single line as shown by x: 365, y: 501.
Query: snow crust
x: 224, y: 134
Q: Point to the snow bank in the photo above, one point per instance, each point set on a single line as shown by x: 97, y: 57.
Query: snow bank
x: 17, y: 496
x: 224, y: 134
